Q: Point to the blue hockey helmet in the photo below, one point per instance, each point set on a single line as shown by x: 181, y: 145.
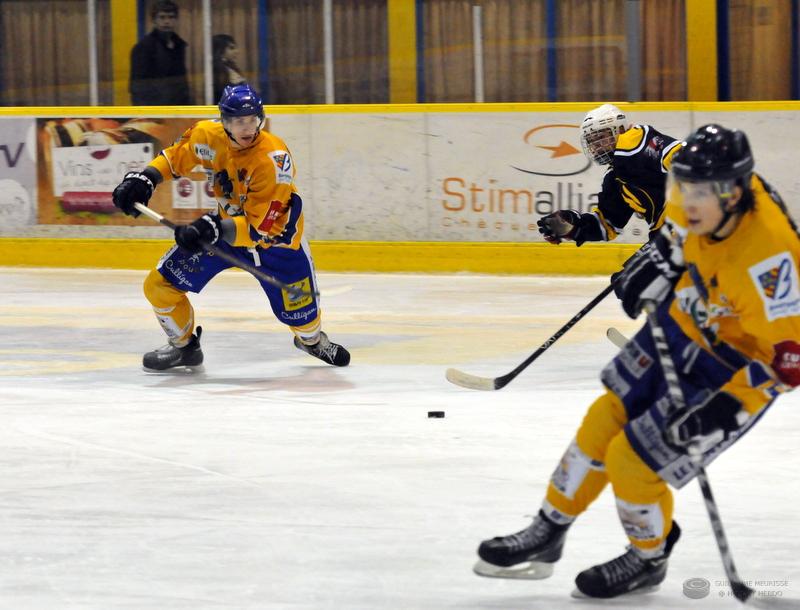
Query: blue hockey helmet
x: 240, y: 100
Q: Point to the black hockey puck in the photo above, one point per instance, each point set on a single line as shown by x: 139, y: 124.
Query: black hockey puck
x: 435, y: 414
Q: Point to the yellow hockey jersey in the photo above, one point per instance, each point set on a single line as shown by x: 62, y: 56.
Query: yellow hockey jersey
x: 253, y: 186
x: 740, y: 297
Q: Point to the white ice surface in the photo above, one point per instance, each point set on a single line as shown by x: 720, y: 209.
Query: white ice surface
x: 274, y: 481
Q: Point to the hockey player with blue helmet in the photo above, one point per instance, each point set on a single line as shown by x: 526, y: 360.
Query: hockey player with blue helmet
x: 259, y: 220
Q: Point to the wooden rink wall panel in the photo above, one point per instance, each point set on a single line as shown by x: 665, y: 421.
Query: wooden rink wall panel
x: 387, y: 257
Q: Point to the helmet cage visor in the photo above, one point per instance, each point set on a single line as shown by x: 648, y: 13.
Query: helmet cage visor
x: 599, y: 144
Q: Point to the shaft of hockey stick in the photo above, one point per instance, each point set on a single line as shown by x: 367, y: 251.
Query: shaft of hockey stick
x: 742, y: 592
x: 292, y: 291
x: 474, y: 382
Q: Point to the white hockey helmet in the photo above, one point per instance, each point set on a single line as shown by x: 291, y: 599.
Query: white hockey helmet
x: 599, y: 132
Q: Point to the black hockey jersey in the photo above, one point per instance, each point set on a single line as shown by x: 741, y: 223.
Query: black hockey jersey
x: 634, y: 184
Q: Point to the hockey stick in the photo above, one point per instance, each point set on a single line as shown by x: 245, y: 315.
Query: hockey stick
x: 292, y: 291
x: 474, y: 382
x: 616, y: 337
x: 741, y: 591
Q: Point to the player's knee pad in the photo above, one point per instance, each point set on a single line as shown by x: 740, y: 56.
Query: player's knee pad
x: 161, y: 294
x: 171, y: 306
x: 574, y: 485
x: 603, y: 421
x: 573, y: 470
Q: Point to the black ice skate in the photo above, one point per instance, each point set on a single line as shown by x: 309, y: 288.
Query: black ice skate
x: 628, y: 573
x: 326, y: 350
x: 187, y: 359
x: 530, y: 553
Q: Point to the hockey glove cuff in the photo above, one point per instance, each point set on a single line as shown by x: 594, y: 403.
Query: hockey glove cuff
x: 708, y: 423
x: 650, y: 275
x: 206, y: 230
x: 136, y: 187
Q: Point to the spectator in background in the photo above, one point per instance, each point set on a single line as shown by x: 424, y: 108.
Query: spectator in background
x: 158, y: 62
x: 226, y: 70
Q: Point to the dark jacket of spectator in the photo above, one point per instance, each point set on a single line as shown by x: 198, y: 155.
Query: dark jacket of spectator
x: 158, y: 72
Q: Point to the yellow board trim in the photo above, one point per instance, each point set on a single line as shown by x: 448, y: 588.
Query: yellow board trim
x: 363, y: 256
x: 123, y: 37
x: 402, y: 25
x: 701, y: 50
x: 372, y: 109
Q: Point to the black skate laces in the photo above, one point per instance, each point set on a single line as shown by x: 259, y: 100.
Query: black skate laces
x: 326, y: 347
x: 623, y: 567
x: 535, y: 533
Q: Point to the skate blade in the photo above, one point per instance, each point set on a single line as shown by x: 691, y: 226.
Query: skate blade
x: 527, y: 570
x: 577, y: 594
x: 177, y: 370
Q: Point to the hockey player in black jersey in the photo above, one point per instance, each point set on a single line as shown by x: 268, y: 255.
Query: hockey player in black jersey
x: 638, y: 159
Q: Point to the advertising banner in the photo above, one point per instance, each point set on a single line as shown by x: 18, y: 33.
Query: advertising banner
x: 406, y: 176
x: 82, y: 160
x: 478, y: 176
x: 17, y: 172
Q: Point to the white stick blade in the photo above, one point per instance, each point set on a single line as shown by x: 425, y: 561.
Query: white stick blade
x: 465, y: 380
x: 616, y: 337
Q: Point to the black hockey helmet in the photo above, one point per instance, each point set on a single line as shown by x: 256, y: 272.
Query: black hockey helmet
x: 721, y: 157
x: 714, y: 154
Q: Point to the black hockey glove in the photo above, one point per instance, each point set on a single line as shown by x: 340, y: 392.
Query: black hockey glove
x: 136, y: 187
x: 560, y: 225
x: 707, y: 424
x: 205, y: 230
x: 650, y: 275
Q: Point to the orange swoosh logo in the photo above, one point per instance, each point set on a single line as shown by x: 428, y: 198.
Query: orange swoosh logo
x: 562, y: 150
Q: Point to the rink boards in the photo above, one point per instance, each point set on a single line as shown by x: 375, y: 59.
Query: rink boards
x: 440, y: 187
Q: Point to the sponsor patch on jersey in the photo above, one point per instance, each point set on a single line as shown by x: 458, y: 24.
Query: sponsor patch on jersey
x: 283, y: 166
x: 292, y: 305
x: 776, y: 281
x: 634, y: 359
x: 273, y: 213
x: 204, y: 152
x: 654, y: 146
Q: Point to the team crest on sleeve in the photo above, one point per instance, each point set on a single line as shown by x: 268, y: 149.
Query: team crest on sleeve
x: 204, y: 152
x: 776, y: 280
x: 283, y: 166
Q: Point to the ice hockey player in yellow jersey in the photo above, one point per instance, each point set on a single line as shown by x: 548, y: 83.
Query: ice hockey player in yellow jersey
x: 724, y: 271
x: 638, y: 158
x: 259, y: 220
